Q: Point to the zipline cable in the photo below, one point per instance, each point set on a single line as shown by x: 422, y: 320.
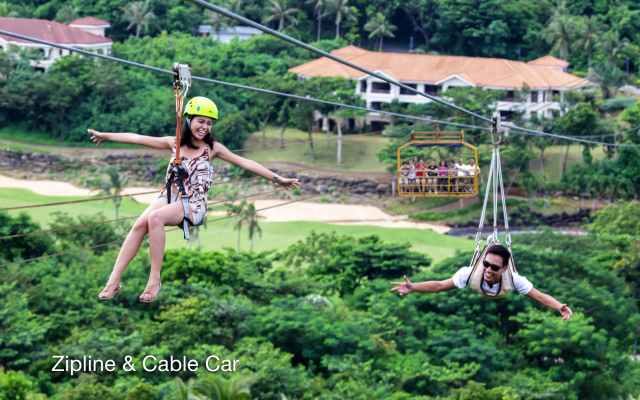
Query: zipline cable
x: 306, y: 46
x: 92, y: 54
x: 169, y: 230
x: 123, y: 219
x: 208, y: 204
x: 215, y: 8
x: 214, y: 184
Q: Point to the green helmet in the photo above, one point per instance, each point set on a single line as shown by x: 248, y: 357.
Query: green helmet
x: 201, y: 106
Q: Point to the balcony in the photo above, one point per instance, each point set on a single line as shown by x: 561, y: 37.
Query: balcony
x: 381, y: 87
x: 406, y: 92
x: 432, y: 90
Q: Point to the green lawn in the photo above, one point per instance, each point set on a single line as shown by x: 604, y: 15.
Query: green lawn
x: 275, y: 235
x: 39, y: 140
x: 353, y: 146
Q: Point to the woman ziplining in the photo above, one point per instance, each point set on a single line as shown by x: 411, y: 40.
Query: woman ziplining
x: 187, y: 203
x: 492, y: 272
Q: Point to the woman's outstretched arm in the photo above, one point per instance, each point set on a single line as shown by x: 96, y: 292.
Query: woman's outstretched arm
x: 226, y: 155
x: 165, y: 142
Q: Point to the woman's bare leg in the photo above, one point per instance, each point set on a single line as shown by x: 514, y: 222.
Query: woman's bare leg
x: 131, y: 245
x: 170, y: 215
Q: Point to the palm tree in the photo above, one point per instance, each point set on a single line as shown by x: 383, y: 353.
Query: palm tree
x: 560, y: 32
x: 341, y: 10
x: 589, y: 36
x: 379, y: 26
x: 185, y: 391
x: 610, y: 78
x: 280, y: 11
x: 239, y: 210
x: 113, y: 187
x: 218, y: 21
x: 194, y: 231
x: 6, y: 13
x: 137, y: 13
x: 317, y: 9
x: 254, y: 225
x: 67, y: 14
x: 235, y: 6
x: 613, y: 46
x: 215, y: 387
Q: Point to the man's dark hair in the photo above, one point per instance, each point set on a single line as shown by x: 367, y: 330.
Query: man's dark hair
x: 404, y: 163
x: 501, y: 251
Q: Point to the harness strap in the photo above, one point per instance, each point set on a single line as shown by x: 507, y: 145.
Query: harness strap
x: 182, y: 176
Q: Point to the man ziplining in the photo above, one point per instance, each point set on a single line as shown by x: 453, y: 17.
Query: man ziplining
x: 491, y: 278
x: 492, y: 272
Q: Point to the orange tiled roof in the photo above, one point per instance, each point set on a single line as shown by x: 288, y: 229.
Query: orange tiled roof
x: 48, y: 30
x: 549, y: 61
x: 89, y: 21
x: 430, y: 69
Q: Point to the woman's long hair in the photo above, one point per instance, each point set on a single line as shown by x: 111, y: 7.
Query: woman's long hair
x: 186, y: 136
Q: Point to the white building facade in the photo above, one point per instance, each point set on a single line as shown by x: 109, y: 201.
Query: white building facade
x: 546, y: 78
x: 86, y: 33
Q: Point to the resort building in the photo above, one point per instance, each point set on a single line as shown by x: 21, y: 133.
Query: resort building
x: 546, y: 77
x: 86, y: 33
x: 225, y: 35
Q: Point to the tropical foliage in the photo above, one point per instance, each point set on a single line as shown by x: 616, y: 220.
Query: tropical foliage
x: 318, y: 320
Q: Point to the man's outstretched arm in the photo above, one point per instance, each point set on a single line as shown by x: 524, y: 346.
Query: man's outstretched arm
x: 425, y: 287
x: 546, y: 300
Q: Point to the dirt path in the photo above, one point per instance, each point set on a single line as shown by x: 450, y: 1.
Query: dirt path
x: 339, y: 214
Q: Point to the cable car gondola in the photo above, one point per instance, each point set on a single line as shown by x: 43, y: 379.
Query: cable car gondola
x: 461, y: 182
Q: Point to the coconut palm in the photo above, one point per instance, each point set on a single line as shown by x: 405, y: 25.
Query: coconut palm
x: 317, y: 9
x: 380, y: 27
x: 341, y: 10
x: 235, y: 6
x: 113, y: 187
x: 252, y: 219
x: 137, y: 13
x: 560, y: 31
x: 610, y: 78
x: 67, y: 14
x: 194, y: 232
x: 589, y: 35
x: 614, y: 46
x: 184, y: 391
x: 279, y: 11
x: 218, y: 21
x: 5, y: 11
x: 213, y: 386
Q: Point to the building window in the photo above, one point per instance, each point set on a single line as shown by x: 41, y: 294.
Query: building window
x: 534, y: 97
x: 554, y: 94
x: 363, y: 86
x: 506, y: 115
x: 432, y: 89
x: 381, y: 87
x: 406, y: 92
x: 375, y: 105
x: 509, y: 96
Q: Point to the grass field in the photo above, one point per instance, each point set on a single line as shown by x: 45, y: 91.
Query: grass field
x: 275, y: 235
x: 40, y: 140
x: 353, y: 146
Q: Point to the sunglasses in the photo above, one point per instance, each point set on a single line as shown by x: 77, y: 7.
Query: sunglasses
x: 495, y: 268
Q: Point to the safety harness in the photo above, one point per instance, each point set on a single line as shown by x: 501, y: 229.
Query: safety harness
x: 180, y: 88
x: 494, y: 182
